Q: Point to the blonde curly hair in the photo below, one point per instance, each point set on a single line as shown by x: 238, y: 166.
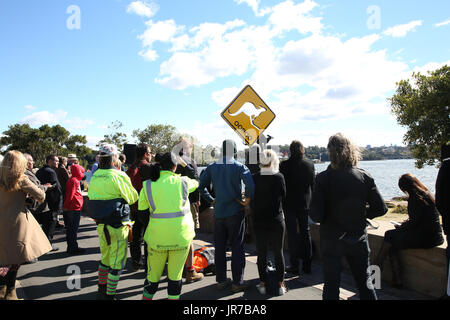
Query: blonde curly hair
x: 12, y: 170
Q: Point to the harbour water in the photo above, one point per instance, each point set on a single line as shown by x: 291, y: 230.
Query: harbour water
x: 387, y: 172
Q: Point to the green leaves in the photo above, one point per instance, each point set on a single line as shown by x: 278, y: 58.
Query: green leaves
x: 161, y: 138
x: 422, y: 106
x: 117, y: 138
x: 43, y: 141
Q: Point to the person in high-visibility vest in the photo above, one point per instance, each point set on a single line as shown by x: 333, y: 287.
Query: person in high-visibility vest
x: 171, y: 228
x: 108, y: 183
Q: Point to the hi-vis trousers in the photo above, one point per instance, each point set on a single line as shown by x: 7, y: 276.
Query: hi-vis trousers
x: 156, y: 262
x: 113, y: 255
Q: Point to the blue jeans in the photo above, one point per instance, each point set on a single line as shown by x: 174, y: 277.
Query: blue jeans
x: 230, y: 230
x: 72, y: 222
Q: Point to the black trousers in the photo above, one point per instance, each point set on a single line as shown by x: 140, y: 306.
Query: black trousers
x: 139, y: 227
x: 357, y: 254
x: 299, y: 237
x: 9, y: 280
x: 270, y: 235
x: 230, y: 230
x: 48, y: 220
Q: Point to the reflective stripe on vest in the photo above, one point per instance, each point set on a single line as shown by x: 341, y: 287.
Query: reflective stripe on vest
x: 149, y: 195
x: 168, y: 215
x: 185, y: 191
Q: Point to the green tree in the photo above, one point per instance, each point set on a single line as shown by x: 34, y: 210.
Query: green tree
x: 422, y: 106
x: 43, y: 141
x: 161, y: 138
x: 117, y: 138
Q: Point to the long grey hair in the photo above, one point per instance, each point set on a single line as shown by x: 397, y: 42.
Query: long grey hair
x: 343, y: 153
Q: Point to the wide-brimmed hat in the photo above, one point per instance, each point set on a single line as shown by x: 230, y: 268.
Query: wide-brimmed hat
x: 72, y: 156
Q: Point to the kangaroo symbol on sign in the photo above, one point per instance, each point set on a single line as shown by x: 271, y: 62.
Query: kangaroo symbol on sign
x: 250, y: 110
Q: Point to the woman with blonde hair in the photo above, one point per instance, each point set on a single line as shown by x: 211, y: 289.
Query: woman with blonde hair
x: 21, y: 237
x: 268, y: 209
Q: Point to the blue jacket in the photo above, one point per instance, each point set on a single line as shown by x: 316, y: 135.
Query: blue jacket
x: 226, y: 177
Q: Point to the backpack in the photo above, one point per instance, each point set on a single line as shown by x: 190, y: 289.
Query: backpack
x: 204, y: 260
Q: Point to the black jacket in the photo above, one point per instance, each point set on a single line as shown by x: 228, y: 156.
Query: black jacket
x: 423, y: 226
x: 443, y: 195
x: 269, y: 199
x: 339, y: 201
x: 299, y: 175
x: 54, y: 196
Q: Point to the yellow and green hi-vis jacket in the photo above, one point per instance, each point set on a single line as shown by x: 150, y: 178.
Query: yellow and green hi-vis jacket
x: 171, y: 226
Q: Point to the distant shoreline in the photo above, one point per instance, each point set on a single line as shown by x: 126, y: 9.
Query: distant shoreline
x: 317, y: 161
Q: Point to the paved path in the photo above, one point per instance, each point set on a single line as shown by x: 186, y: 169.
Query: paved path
x: 52, y: 277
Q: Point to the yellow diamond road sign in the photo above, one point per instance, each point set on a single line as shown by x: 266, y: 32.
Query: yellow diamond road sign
x: 248, y: 115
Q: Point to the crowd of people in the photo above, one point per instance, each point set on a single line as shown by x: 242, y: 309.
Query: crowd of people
x: 153, y: 207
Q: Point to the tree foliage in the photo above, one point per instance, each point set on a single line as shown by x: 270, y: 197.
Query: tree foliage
x: 43, y: 141
x: 422, y: 106
x: 117, y: 138
x: 161, y: 138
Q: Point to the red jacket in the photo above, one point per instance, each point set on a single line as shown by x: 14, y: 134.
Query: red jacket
x: 74, y: 199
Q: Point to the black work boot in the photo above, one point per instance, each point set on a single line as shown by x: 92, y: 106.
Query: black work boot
x: 101, y: 293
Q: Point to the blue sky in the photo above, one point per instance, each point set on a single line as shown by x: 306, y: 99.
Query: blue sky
x: 321, y: 66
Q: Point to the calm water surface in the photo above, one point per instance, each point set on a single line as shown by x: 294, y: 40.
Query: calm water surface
x: 387, y: 172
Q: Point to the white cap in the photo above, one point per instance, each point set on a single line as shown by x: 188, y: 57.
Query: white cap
x: 108, y: 150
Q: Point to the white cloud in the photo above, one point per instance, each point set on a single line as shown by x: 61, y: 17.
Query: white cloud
x: 430, y: 67
x: 30, y: 107
x: 254, y: 4
x: 288, y: 16
x: 78, y: 123
x: 162, y: 31
x: 311, y: 76
x: 443, y: 23
x: 402, y: 30
x: 320, y: 77
x: 44, y: 117
x: 40, y: 118
x: 143, y: 8
x: 225, y: 96
x: 213, y: 51
x: 93, y: 141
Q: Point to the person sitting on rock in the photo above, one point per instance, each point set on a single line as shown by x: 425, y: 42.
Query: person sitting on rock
x: 421, y: 230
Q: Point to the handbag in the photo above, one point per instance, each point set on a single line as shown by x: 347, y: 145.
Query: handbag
x: 111, y: 212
